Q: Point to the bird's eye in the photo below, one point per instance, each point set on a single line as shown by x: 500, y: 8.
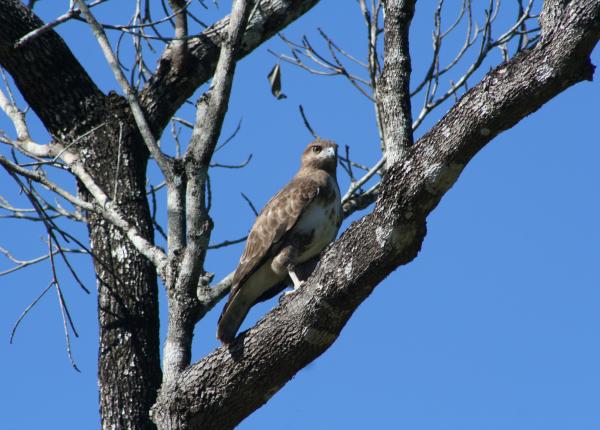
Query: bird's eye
x: 316, y: 149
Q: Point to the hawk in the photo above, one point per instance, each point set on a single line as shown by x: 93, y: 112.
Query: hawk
x: 293, y: 227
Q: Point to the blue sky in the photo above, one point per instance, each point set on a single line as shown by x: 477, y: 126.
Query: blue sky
x: 495, y: 325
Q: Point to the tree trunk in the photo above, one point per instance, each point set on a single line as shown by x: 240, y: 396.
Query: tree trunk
x: 129, y: 371
x: 69, y: 104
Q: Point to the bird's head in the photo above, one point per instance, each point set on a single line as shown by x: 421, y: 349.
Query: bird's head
x: 320, y: 154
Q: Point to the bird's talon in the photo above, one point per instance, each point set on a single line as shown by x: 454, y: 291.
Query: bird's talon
x: 296, y: 287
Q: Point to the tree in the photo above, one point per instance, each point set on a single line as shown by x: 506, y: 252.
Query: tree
x: 106, y: 141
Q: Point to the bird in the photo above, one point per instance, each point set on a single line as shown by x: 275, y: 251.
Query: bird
x: 295, y: 225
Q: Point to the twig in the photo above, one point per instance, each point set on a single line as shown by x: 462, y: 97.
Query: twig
x: 71, y: 13
x: 231, y: 136
x: 227, y: 243
x: 21, y: 264
x: 26, y: 311
x: 306, y: 123
x: 252, y: 207
x: 233, y: 166
x: 63, y: 309
x: 355, y: 186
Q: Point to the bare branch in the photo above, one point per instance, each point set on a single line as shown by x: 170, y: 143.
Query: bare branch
x: 393, y: 93
x: 66, y: 315
x: 325, y: 67
x: 360, y: 201
x: 29, y: 214
x: 210, y: 296
x: 21, y: 264
x: 170, y: 86
x: 227, y: 243
x: 486, y: 44
x: 51, y: 229
x: 181, y: 30
x: 26, y: 311
x: 231, y: 136
x: 211, y: 110
x: 24, y: 143
x: 233, y: 166
x: 102, y: 205
x: 38, y: 176
x: 162, y: 159
x: 252, y: 207
x: 356, y: 185
x: 71, y: 13
x: 306, y: 123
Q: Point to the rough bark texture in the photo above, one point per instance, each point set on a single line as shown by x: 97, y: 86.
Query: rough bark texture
x: 52, y: 81
x: 230, y: 383
x: 62, y: 94
x: 393, y: 92
x: 550, y: 17
x: 129, y: 366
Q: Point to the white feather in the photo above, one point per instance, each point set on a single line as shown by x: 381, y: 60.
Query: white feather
x: 316, y: 217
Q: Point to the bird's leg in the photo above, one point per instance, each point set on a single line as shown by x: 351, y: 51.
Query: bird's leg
x: 295, y: 279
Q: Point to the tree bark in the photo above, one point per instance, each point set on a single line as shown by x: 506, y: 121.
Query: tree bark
x: 393, y: 87
x: 230, y: 383
x: 51, y: 80
x: 129, y: 371
x: 69, y: 104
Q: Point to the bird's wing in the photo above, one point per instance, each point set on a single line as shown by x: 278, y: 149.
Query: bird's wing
x: 276, y: 219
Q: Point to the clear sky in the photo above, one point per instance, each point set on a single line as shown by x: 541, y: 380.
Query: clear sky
x: 495, y: 325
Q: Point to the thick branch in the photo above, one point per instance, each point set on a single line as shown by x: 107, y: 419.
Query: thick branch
x: 50, y: 78
x: 181, y: 29
x: 172, y: 85
x: 183, y: 306
x: 550, y: 17
x: 393, y: 87
x: 227, y: 385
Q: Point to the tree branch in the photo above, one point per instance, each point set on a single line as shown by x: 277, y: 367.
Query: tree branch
x: 551, y: 15
x: 227, y: 385
x: 393, y: 87
x: 52, y: 81
x: 171, y: 85
x: 101, y: 204
x: 181, y: 30
x: 163, y: 161
x: 183, y: 305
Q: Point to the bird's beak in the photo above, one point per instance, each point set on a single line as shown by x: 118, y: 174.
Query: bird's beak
x: 330, y: 152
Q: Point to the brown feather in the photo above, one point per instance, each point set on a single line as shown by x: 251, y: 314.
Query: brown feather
x: 274, y: 230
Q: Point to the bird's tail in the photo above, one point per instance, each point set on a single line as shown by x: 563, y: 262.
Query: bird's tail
x: 233, y: 315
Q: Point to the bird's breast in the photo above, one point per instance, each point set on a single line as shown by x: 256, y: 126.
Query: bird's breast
x: 319, y: 225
